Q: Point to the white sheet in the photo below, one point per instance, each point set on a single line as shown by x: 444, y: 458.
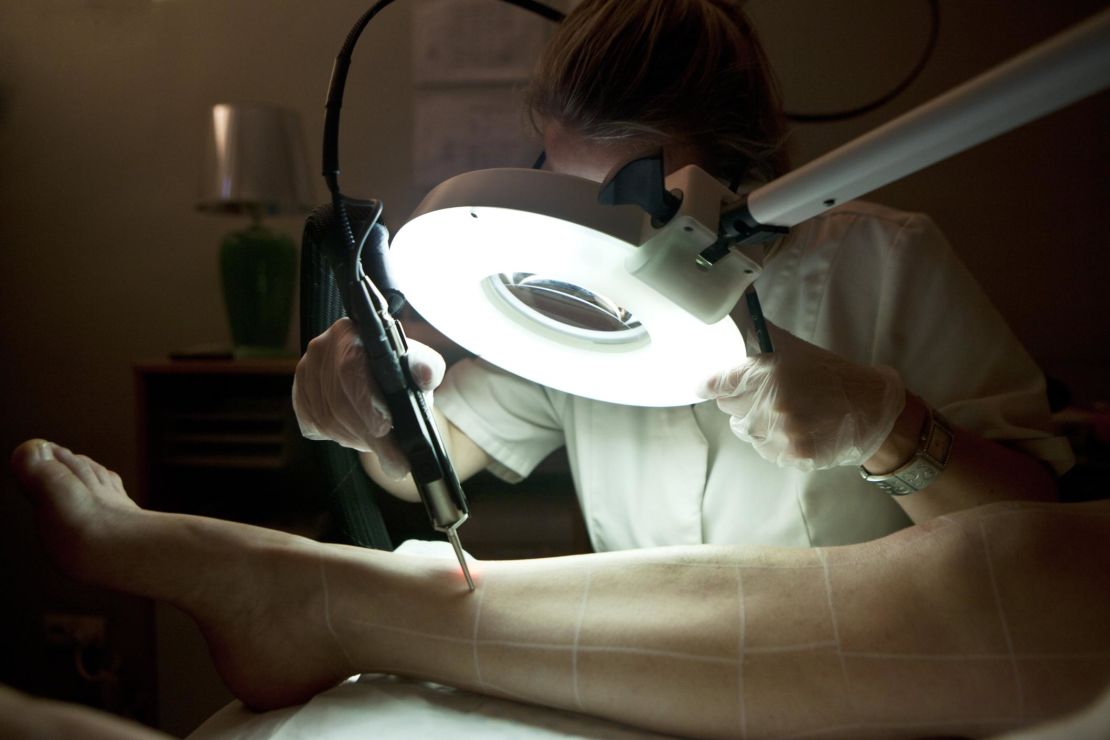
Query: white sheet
x: 375, y: 705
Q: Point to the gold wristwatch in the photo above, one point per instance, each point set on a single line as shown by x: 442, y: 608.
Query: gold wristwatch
x: 927, y: 463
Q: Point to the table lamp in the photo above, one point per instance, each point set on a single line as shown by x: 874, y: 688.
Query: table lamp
x: 255, y: 165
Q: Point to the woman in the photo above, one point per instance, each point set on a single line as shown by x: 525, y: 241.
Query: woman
x: 875, y: 371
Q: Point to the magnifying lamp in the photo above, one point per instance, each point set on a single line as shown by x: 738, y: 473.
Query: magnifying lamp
x: 530, y: 270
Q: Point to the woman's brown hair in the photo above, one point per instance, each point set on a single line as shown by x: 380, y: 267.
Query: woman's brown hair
x: 690, y: 71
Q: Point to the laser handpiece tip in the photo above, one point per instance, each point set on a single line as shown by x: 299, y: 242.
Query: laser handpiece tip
x: 454, y: 537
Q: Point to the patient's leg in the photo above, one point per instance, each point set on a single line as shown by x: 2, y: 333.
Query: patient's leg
x: 989, y: 619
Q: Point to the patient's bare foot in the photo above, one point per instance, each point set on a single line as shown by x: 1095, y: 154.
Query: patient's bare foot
x: 78, y: 504
x: 255, y: 593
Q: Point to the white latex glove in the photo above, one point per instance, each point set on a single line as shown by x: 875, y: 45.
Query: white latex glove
x: 335, y: 397
x: 805, y: 407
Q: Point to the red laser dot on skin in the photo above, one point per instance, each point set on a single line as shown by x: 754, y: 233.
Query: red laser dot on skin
x: 475, y: 573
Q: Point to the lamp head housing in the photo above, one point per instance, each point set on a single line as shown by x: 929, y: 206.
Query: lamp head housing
x: 527, y: 269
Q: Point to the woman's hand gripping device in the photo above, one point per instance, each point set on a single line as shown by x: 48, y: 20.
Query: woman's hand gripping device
x: 386, y: 348
x: 382, y: 337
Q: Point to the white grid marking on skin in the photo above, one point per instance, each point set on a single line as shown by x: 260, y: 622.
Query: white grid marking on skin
x: 799, y: 647
x: 737, y: 566
x: 572, y: 647
x: 327, y: 619
x: 878, y: 555
x: 477, y: 622
x: 742, y: 707
x: 657, y: 653
x: 832, y: 618
x: 527, y: 645
x: 626, y: 649
x: 882, y: 555
x: 415, y: 633
x: 977, y: 656
x: 956, y: 724
x: 577, y: 635
x: 1002, y: 620
x: 924, y: 656
x: 1100, y: 655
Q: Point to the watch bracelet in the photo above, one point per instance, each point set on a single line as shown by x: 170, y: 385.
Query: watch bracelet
x: 934, y: 447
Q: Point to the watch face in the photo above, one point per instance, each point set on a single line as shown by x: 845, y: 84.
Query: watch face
x: 939, y: 443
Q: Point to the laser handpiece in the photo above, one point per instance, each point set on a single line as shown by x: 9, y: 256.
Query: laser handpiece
x: 414, y: 427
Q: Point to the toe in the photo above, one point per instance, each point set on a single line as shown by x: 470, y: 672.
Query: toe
x: 30, y: 456
x: 102, y: 474
x: 39, y: 465
x: 99, y: 473
x: 79, y: 465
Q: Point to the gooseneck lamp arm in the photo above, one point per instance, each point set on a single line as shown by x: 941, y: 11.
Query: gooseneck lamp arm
x: 333, y: 105
x: 334, y: 102
x: 372, y: 301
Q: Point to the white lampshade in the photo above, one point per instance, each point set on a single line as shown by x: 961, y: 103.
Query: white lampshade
x: 255, y: 161
x: 483, y: 240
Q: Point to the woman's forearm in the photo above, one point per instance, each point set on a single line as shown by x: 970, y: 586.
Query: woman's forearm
x: 978, y: 471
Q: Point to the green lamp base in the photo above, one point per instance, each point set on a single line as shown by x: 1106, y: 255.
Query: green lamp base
x: 258, y: 269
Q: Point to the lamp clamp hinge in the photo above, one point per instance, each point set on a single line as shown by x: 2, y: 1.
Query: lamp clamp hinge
x: 737, y: 227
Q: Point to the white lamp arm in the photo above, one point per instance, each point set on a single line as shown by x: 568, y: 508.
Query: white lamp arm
x: 1060, y: 71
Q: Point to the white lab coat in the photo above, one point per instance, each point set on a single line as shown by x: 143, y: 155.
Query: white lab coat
x: 872, y: 284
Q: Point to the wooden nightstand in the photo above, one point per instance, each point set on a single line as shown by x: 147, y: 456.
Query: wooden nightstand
x: 219, y: 438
